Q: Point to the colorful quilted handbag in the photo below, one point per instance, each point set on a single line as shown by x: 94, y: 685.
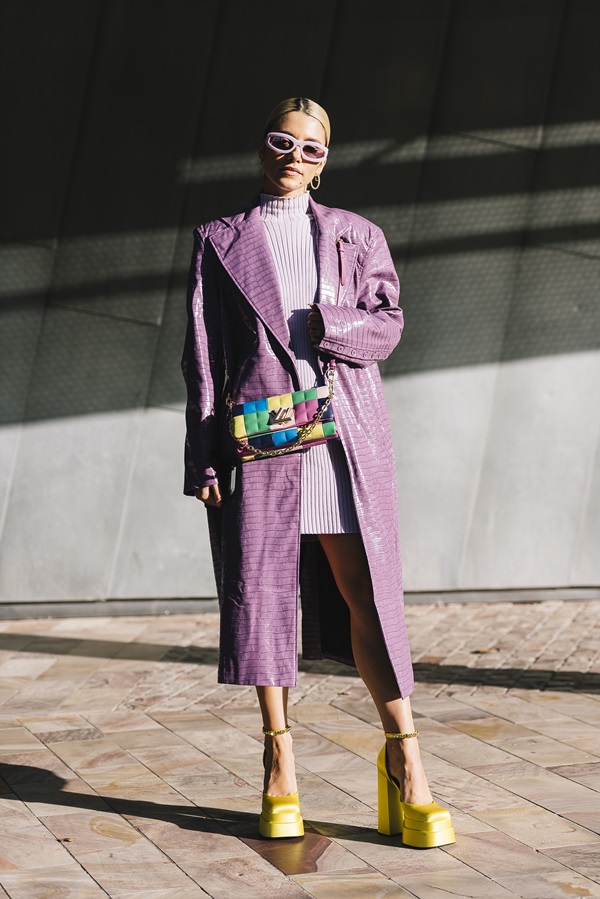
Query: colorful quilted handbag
x: 278, y: 425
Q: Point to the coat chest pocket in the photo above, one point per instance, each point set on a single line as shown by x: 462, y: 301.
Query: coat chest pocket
x: 346, y: 256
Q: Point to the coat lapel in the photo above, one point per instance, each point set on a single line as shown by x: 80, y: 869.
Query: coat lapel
x: 245, y: 254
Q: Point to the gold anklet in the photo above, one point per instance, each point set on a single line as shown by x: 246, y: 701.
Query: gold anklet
x: 401, y: 736
x: 276, y: 733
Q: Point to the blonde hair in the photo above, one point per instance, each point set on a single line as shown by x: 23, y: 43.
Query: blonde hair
x: 299, y: 104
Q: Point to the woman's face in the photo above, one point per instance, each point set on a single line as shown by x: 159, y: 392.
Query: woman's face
x: 288, y: 174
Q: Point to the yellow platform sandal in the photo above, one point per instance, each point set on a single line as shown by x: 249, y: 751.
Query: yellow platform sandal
x: 280, y: 816
x: 421, y: 826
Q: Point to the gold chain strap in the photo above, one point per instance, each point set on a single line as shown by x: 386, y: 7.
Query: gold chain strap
x: 303, y: 431
x: 390, y: 736
x: 276, y: 733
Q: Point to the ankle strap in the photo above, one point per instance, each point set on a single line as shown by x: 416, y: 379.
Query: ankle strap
x: 276, y: 733
x: 401, y: 736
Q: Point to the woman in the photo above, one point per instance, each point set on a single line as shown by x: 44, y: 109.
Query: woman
x: 276, y: 290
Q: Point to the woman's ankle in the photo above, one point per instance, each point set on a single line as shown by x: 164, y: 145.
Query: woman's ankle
x: 406, y: 767
x: 280, y: 773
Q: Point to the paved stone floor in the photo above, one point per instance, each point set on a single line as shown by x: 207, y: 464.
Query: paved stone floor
x: 127, y: 771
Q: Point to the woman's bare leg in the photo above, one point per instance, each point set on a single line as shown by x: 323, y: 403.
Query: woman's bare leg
x: 348, y: 561
x: 280, y: 775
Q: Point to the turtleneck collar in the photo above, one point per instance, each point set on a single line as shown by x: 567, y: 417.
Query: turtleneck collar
x: 284, y: 207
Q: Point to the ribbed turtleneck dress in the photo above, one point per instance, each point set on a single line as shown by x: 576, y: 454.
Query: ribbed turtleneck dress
x: 327, y: 505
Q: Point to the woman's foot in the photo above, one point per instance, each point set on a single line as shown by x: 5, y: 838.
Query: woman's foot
x: 405, y: 766
x: 280, y: 771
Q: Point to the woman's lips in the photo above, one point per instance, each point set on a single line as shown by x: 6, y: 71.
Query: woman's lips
x: 290, y: 170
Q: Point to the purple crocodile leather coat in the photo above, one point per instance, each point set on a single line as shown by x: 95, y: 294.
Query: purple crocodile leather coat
x: 237, y: 329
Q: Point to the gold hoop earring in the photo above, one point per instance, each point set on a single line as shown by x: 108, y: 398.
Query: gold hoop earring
x: 316, y: 178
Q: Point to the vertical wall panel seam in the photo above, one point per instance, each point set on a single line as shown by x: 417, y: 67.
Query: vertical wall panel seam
x: 11, y: 474
x: 335, y: 18
x: 594, y: 454
x: 519, y: 251
x: 117, y: 545
x: 586, y: 497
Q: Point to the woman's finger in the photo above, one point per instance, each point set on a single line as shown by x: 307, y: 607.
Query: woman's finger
x: 210, y: 496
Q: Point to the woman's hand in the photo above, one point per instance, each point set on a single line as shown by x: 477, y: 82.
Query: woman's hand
x: 210, y: 496
x: 315, y: 325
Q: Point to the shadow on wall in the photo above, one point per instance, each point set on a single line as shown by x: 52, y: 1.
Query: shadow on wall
x: 469, y: 135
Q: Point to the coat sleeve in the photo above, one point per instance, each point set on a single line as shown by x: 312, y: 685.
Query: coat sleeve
x: 204, y: 373
x: 368, y: 332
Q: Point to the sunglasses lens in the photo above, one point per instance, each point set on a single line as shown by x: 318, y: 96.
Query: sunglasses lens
x: 280, y: 143
x: 313, y: 151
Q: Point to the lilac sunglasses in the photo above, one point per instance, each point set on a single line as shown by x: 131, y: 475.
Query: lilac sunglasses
x: 285, y: 143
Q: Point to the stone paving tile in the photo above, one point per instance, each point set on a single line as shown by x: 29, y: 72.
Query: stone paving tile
x: 541, y: 786
x: 245, y: 875
x: 173, y: 760
x: 93, y: 755
x: 582, y: 859
x: 459, y: 748
x: 463, y: 882
x: 122, y: 761
x: 581, y: 708
x: 115, y: 875
x: 359, y: 886
x: 16, y: 738
x: 68, y: 882
x: 463, y: 822
x: 537, y: 828
x: 147, y: 807
x: 126, y: 720
x: 313, y: 854
x: 587, y: 818
x: 552, y: 885
x: 388, y: 856
x: 15, y: 813
x: 33, y: 767
x: 191, y: 892
x: 588, y: 774
x: 522, y: 742
x: 498, y: 855
x: 45, y: 799
x: 25, y: 846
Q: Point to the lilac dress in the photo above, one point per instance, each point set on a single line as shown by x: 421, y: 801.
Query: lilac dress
x: 327, y: 505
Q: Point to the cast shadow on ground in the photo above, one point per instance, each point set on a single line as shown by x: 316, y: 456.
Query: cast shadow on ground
x: 425, y: 672
x: 29, y: 784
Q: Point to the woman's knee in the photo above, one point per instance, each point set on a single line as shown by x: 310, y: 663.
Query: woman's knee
x: 350, y: 569
x: 359, y: 596
x: 356, y: 587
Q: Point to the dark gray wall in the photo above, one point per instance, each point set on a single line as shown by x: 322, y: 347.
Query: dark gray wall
x: 469, y: 130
